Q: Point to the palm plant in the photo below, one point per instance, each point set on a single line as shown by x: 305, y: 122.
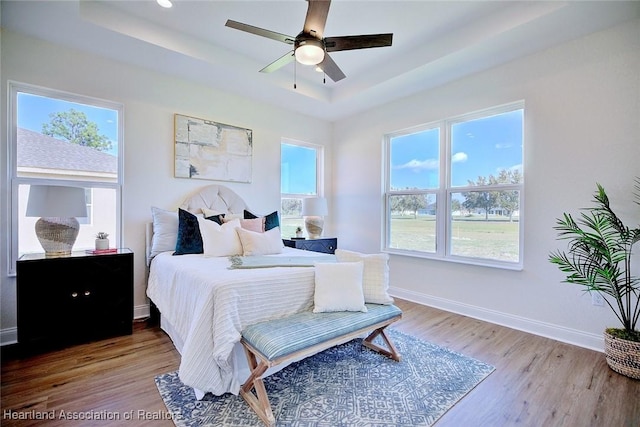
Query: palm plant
x: 599, y: 258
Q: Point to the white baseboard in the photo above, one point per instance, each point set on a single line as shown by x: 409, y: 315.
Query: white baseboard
x: 547, y: 330
x: 10, y: 335
x: 141, y: 311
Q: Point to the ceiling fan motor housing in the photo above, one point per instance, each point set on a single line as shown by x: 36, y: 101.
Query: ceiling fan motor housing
x: 309, y: 50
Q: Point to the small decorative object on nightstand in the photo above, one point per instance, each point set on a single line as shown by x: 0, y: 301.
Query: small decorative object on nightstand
x: 73, y: 299
x: 102, y: 241
x: 299, y: 232
x: 325, y: 245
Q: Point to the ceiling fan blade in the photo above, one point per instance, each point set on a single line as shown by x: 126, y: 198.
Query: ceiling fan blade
x: 260, y: 31
x: 317, y: 12
x: 331, y: 69
x: 334, y: 44
x: 279, y: 63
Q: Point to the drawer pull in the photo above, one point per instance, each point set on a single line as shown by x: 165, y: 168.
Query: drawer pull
x: 87, y: 293
x: 74, y: 294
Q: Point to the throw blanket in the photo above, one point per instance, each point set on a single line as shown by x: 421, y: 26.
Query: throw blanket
x: 267, y: 261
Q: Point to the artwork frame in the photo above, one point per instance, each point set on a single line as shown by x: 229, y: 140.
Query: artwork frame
x: 206, y: 149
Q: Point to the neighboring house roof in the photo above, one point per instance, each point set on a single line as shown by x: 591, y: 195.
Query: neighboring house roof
x: 36, y: 150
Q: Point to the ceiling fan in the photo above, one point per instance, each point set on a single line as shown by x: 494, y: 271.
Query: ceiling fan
x: 310, y: 47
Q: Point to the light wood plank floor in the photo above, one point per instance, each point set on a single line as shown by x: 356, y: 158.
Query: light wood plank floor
x: 537, y: 382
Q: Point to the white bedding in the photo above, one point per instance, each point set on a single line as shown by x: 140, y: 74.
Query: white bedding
x: 209, y: 304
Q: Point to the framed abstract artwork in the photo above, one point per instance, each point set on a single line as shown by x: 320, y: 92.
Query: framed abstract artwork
x: 205, y: 149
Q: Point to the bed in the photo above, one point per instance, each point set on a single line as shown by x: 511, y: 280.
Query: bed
x: 205, y: 304
x: 206, y: 295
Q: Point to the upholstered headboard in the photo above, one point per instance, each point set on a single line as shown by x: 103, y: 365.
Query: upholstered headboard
x: 214, y: 197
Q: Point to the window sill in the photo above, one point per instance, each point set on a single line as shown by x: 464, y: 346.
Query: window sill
x: 513, y: 266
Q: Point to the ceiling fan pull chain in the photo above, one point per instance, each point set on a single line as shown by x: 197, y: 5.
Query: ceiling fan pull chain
x: 294, y: 74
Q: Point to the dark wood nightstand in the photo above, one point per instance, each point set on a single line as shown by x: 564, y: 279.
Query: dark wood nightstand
x: 73, y: 299
x: 325, y: 245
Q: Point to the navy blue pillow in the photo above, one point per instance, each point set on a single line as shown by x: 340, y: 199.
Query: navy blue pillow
x: 270, y: 221
x: 216, y: 218
x: 189, y: 238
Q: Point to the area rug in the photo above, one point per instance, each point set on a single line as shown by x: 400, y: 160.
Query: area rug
x: 348, y: 385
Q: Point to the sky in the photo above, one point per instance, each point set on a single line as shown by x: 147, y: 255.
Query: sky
x: 298, y: 169
x: 33, y: 112
x: 480, y: 147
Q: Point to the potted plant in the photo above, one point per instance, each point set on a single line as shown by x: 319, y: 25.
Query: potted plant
x: 102, y: 241
x: 599, y: 258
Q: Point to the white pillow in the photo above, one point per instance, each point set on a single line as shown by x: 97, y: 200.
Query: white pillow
x: 165, y: 231
x: 220, y: 240
x: 375, y: 277
x: 338, y: 287
x: 254, y: 243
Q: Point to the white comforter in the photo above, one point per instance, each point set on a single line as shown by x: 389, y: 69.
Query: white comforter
x: 209, y: 305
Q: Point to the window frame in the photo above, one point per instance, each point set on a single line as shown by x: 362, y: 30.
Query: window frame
x: 319, y: 172
x: 444, y: 192
x: 15, y: 87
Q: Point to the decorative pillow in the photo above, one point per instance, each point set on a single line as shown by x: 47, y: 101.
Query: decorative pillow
x: 210, y: 212
x: 271, y: 221
x: 257, y: 243
x: 220, y: 240
x: 375, y: 277
x: 338, y: 287
x: 230, y: 217
x: 218, y: 219
x: 165, y: 231
x: 256, y: 224
x: 189, y: 240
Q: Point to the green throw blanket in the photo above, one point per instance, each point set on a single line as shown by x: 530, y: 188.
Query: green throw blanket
x: 258, y: 261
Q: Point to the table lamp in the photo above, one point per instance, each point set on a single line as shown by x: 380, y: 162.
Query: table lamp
x: 313, y: 210
x: 58, y: 207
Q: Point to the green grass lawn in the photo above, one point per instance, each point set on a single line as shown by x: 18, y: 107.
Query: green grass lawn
x: 496, y: 238
x: 473, y: 237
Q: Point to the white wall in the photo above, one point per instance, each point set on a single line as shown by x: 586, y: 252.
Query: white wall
x: 150, y: 101
x: 582, y: 126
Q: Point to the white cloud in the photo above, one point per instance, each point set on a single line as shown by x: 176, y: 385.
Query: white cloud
x: 418, y: 165
x: 459, y: 157
x: 501, y: 146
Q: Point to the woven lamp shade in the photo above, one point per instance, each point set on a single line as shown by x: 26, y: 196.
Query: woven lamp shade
x: 58, y: 206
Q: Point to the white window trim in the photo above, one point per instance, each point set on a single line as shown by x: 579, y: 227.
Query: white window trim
x: 443, y: 193
x: 14, y: 181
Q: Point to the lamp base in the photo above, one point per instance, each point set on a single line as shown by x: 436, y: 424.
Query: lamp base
x: 57, y: 235
x: 314, y: 225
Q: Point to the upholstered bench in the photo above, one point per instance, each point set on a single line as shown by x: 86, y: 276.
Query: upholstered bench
x: 303, y: 334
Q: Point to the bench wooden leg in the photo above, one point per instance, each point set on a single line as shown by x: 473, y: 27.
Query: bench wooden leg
x: 259, y: 401
x: 392, y: 352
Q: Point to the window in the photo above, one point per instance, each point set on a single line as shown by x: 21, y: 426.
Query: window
x: 301, y: 166
x: 67, y: 139
x: 454, y: 188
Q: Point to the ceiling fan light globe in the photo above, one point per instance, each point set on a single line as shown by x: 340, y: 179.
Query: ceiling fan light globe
x: 309, y: 54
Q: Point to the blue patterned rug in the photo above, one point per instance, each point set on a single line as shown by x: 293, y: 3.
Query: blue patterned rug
x: 347, y: 385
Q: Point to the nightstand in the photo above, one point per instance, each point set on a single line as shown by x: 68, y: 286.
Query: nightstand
x: 73, y: 299
x: 325, y: 245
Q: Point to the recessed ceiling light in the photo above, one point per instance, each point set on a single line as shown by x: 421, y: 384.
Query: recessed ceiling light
x: 165, y: 3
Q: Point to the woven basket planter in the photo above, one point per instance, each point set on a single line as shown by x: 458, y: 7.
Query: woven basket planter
x: 623, y: 356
